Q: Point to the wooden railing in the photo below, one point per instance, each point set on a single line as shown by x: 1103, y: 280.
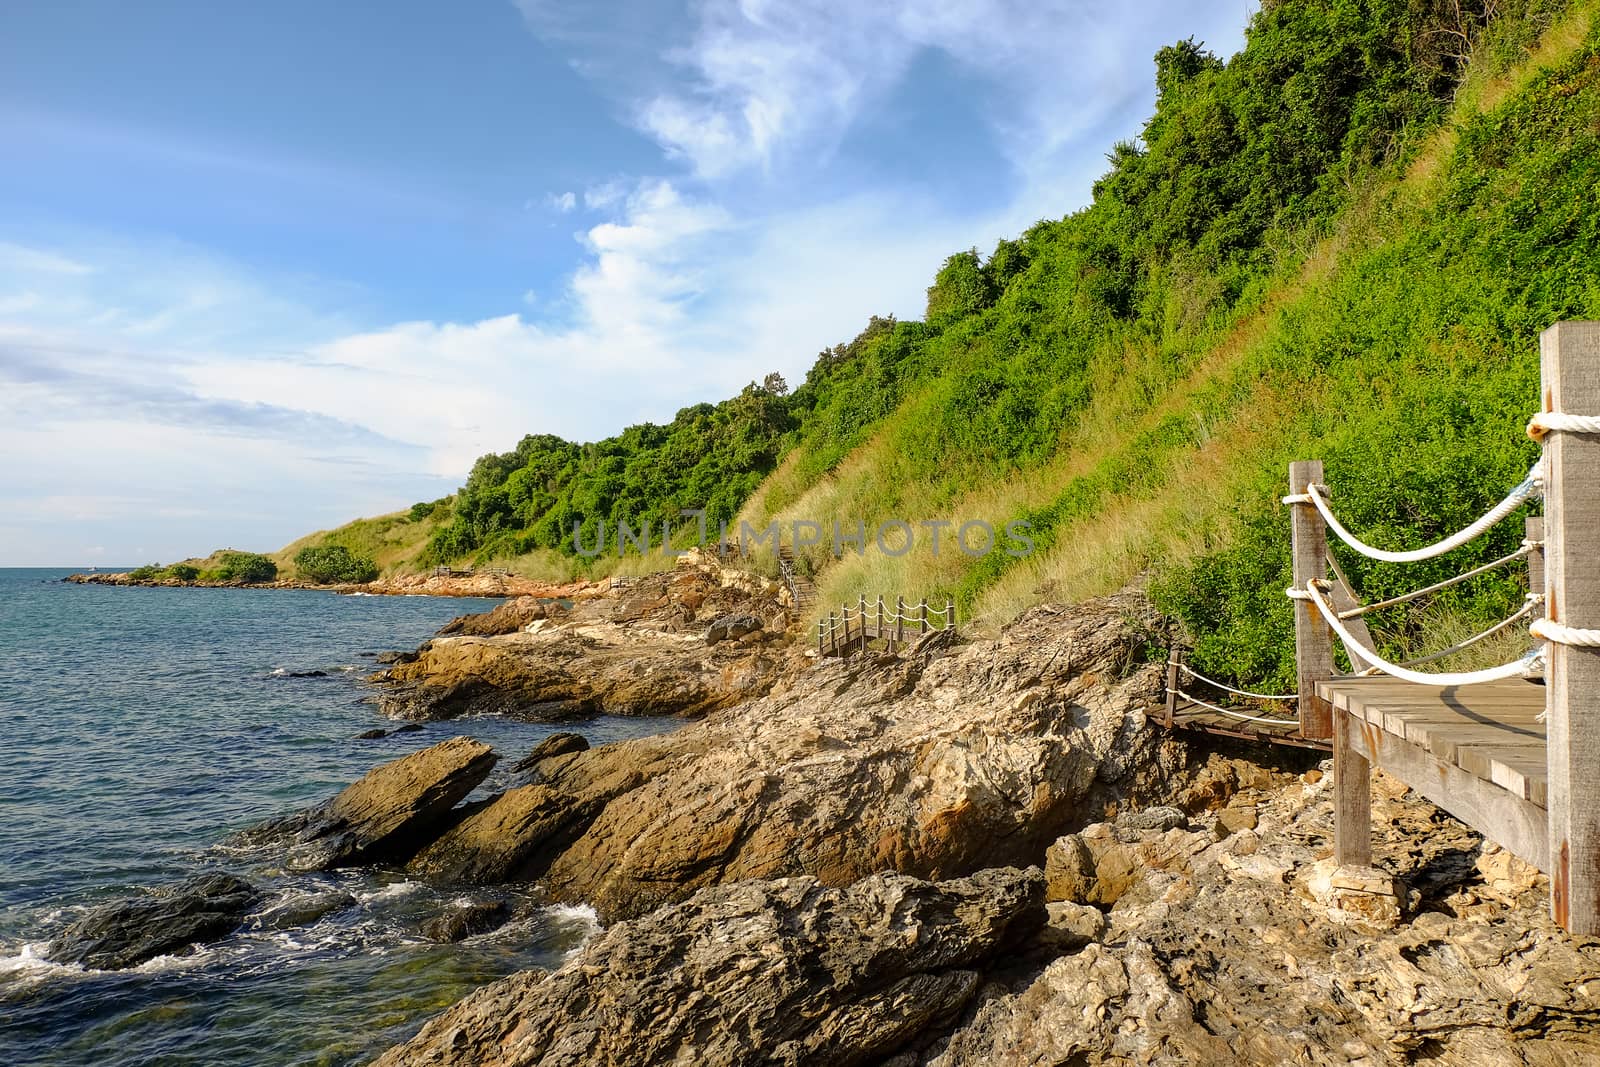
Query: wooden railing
x: 1563, y: 554
x: 851, y: 629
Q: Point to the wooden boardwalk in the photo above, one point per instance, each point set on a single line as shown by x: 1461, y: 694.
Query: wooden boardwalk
x: 1479, y: 751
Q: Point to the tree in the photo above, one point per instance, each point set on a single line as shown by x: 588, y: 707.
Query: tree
x: 774, y: 384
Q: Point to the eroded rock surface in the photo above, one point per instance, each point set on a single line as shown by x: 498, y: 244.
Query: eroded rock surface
x: 637, y: 649
x: 167, y: 922
x: 1227, y: 947
x: 386, y: 816
x: 777, y: 972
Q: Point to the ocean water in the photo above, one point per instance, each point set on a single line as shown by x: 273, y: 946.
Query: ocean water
x: 138, y: 729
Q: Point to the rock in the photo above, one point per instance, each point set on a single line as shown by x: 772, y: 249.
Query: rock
x: 408, y: 728
x: 1360, y: 896
x: 506, y: 839
x: 934, y: 766
x: 563, y: 673
x: 1156, y: 818
x: 761, y: 972
x: 389, y: 658
x: 304, y: 674
x: 1233, y: 818
x: 373, y: 734
x: 462, y: 921
x: 632, y: 648
x: 732, y: 627
x: 1068, y: 926
x: 1069, y: 870
x: 167, y: 922
x: 506, y: 618
x: 388, y: 814
x: 557, y: 744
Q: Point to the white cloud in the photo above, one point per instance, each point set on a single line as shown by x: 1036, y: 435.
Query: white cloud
x: 772, y: 79
x: 563, y: 202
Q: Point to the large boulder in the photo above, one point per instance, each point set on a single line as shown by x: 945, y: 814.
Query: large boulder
x: 389, y: 814
x: 503, y: 840
x: 170, y: 921
x: 506, y: 618
x: 779, y: 972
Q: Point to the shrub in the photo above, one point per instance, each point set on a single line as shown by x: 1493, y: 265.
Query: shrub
x: 247, y: 567
x: 148, y: 573
x: 334, y: 563
x: 184, y: 572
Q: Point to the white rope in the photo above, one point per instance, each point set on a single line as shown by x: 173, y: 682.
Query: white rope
x: 1522, y: 613
x: 1545, y: 422
x: 1518, y: 669
x: 1560, y: 634
x: 1530, y: 486
x: 1236, y: 714
x: 1527, y: 548
x: 1191, y: 672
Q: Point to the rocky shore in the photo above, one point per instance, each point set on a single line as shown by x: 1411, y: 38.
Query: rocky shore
x: 451, y: 585
x: 961, y: 854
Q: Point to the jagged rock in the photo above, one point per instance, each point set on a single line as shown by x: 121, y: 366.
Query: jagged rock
x: 557, y: 744
x: 1068, y: 926
x: 785, y: 971
x: 506, y: 618
x: 373, y: 734
x: 1161, y: 817
x: 554, y: 675
x: 1236, y: 817
x: 632, y: 650
x: 462, y: 921
x: 1358, y: 896
x: 167, y: 922
x: 506, y: 839
x: 732, y: 627
x: 1212, y: 958
x: 931, y: 766
x: 388, y: 814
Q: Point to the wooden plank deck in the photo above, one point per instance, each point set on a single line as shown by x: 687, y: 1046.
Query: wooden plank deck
x: 1198, y: 719
x: 1477, y: 751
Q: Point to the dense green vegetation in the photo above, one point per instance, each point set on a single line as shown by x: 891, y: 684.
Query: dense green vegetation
x: 710, y: 457
x: 329, y: 564
x: 1340, y: 243
x: 226, y: 565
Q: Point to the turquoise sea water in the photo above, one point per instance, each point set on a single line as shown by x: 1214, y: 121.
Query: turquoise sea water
x: 138, y: 729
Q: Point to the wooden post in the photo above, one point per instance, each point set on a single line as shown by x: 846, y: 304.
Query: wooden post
x: 1569, y: 364
x: 1352, y: 796
x: 899, y: 620
x: 844, y: 615
x: 1313, y: 641
x: 1533, y: 531
x: 862, y: 608
x: 1172, y: 685
x: 833, y: 632
x: 949, y: 614
x: 923, y: 610
x: 819, y: 637
x: 881, y: 634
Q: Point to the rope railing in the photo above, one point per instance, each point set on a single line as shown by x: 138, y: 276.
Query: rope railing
x: 877, y: 620
x: 1527, y: 549
x: 1233, y: 713
x: 1533, y: 601
x: 1197, y: 676
x: 1314, y: 592
x: 1529, y: 487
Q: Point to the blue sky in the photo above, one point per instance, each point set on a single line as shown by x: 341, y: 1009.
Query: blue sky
x: 267, y: 267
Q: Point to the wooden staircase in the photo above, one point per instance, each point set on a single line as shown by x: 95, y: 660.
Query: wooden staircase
x: 800, y: 587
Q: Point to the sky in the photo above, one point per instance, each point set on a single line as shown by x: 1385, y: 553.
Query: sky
x: 268, y: 267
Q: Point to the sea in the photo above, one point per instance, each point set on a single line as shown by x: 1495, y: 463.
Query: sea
x: 140, y: 728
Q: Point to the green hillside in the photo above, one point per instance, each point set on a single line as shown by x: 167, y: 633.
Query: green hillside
x: 1339, y: 244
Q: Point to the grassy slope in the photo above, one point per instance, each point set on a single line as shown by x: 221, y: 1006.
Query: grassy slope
x: 1400, y: 348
